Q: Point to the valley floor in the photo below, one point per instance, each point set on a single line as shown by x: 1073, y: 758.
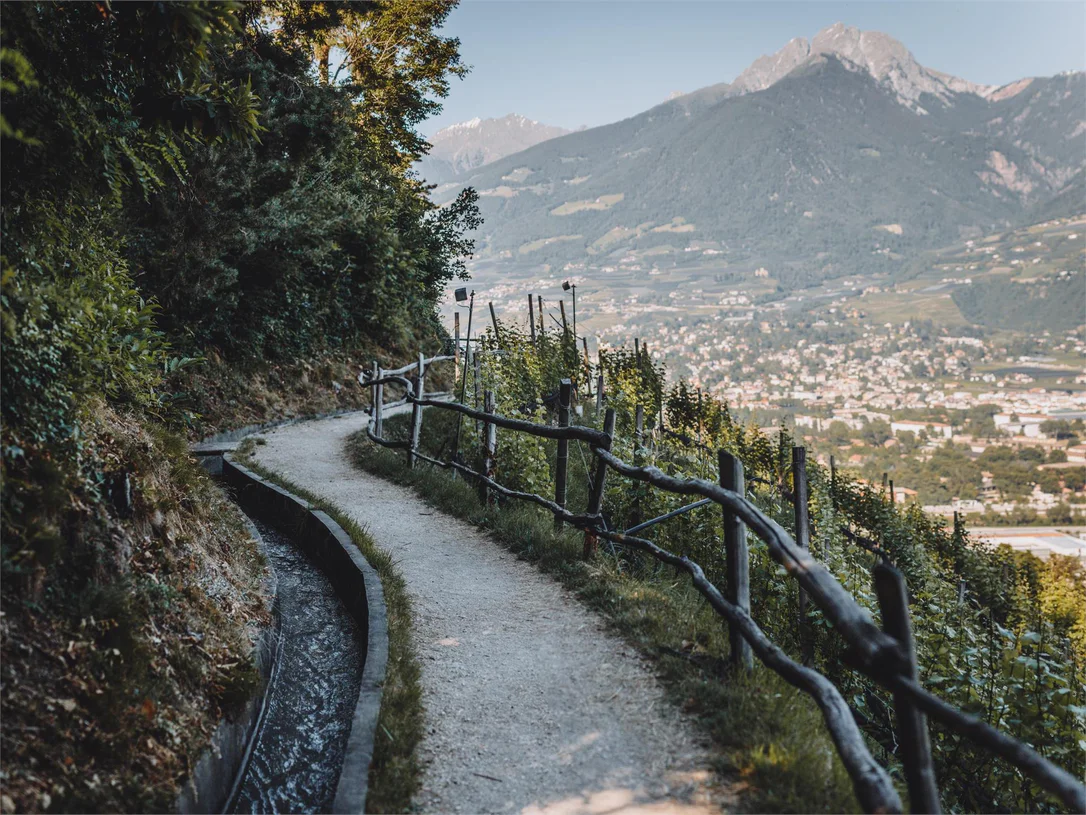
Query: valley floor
x: 530, y: 705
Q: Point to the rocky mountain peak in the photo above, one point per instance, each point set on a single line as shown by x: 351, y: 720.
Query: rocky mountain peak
x: 886, y: 59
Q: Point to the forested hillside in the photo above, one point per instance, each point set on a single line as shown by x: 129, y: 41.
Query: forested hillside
x: 198, y: 222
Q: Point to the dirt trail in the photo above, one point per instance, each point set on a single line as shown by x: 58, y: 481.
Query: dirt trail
x: 530, y: 706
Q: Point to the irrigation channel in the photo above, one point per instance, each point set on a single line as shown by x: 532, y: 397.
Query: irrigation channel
x: 297, y: 751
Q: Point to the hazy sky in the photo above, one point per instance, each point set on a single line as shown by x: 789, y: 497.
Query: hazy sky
x: 591, y: 62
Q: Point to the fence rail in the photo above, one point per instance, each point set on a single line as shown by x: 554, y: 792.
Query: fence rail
x: 885, y: 655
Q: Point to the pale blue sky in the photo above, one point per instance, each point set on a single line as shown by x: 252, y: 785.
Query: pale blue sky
x: 591, y: 62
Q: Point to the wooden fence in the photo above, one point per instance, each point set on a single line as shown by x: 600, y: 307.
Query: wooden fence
x: 886, y: 655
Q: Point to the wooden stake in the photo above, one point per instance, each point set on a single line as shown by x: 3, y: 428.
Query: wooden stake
x: 738, y: 558
x: 373, y: 391
x: 490, y: 446
x: 531, y: 318
x: 595, y: 488
x: 638, y: 460
x: 561, y: 467
x: 494, y: 319
x: 833, y: 482
x: 416, y: 415
x: 378, y: 405
x: 912, y: 725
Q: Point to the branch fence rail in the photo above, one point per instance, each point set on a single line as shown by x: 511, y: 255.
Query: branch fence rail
x: 886, y: 655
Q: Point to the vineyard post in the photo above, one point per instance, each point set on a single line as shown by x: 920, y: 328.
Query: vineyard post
x: 565, y: 325
x: 531, y: 318
x: 595, y: 487
x: 833, y: 482
x: 378, y: 404
x: 599, y: 392
x: 803, y: 540
x: 477, y: 376
x: 639, y: 432
x: 912, y: 724
x: 494, y: 319
x: 565, y: 389
x: 637, y: 347
x: 542, y: 325
x: 737, y: 557
x: 893, y: 500
x: 416, y: 414
x: 490, y: 446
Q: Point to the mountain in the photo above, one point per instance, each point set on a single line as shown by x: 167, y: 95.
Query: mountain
x: 469, y: 145
x: 839, y: 155
x: 878, y: 54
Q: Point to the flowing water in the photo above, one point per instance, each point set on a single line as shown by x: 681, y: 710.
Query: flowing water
x: 298, y: 751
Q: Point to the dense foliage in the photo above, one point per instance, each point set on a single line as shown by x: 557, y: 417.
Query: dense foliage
x: 183, y: 176
x: 1000, y: 634
x: 183, y: 181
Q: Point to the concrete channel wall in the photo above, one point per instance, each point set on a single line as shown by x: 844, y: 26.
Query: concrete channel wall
x: 359, y: 587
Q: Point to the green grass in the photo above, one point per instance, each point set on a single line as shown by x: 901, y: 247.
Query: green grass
x: 770, y: 741
x: 394, y: 771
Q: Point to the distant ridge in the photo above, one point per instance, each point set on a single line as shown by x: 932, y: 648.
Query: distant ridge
x: 466, y: 146
x: 839, y: 155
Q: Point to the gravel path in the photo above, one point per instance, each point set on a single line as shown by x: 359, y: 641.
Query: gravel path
x: 530, y: 705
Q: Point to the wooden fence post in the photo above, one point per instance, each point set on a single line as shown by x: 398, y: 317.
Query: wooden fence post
x: 531, y: 318
x: 912, y: 725
x: 490, y: 445
x: 416, y: 414
x: 373, y: 389
x: 639, y: 460
x: 565, y: 325
x: 378, y: 406
x: 561, y: 467
x: 595, y: 488
x: 542, y: 326
x: 738, y: 558
x: 599, y: 392
x: 803, y: 540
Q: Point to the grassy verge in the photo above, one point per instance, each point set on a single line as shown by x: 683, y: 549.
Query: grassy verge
x: 394, y: 772
x: 770, y: 739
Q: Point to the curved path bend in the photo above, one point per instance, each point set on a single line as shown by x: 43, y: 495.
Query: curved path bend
x: 530, y: 706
